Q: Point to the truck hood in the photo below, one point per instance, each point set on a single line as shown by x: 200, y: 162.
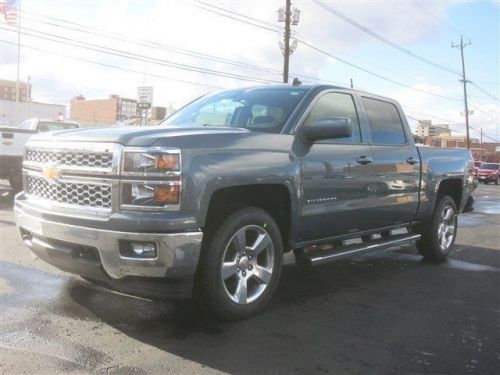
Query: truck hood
x: 139, y: 136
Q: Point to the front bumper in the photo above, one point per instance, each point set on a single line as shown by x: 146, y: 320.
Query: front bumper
x: 94, y: 253
x: 487, y: 178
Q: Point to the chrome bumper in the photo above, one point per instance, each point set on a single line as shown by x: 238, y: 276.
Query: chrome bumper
x: 177, y: 253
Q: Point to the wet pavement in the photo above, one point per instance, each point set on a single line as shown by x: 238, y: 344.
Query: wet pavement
x: 384, y: 313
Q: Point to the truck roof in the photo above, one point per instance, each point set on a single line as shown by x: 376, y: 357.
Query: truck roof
x: 319, y: 87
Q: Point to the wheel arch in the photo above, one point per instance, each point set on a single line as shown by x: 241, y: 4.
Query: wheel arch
x: 275, y: 198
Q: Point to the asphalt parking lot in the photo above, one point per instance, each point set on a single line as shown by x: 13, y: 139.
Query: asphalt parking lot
x: 384, y: 313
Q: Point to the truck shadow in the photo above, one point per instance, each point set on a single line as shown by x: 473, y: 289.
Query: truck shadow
x: 363, y: 315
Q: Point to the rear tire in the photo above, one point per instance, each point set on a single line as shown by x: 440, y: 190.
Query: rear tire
x: 240, y: 264
x: 440, y: 233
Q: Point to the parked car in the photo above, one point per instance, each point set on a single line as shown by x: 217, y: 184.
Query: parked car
x: 489, y: 172
x: 207, y: 203
x: 12, y: 146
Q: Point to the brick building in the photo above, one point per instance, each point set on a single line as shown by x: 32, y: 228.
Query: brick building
x: 102, y: 111
x: 8, y: 90
x: 486, y: 151
x: 450, y: 141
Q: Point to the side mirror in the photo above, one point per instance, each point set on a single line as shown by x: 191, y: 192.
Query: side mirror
x: 327, y: 128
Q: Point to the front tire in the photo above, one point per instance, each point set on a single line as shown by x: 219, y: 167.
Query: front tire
x: 240, y: 264
x: 16, y: 183
x: 439, y: 235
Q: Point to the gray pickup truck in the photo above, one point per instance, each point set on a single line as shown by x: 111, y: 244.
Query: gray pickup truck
x: 206, y: 204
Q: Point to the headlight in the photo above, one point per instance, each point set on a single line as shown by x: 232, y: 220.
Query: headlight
x: 159, y: 187
x: 151, y: 162
x: 151, y: 194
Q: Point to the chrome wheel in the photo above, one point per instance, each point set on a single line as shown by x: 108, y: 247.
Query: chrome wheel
x: 247, y: 264
x: 446, y: 228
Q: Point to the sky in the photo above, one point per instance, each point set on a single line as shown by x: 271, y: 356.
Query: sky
x: 400, y: 49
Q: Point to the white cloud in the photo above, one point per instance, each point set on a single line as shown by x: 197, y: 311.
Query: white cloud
x: 182, y: 25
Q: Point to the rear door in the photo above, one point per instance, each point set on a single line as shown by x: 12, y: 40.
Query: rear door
x: 396, y: 165
x: 335, y: 173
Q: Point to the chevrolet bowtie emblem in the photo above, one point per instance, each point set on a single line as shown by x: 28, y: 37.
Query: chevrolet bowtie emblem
x: 50, y: 172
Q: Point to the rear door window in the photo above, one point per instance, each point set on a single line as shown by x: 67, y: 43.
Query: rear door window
x: 385, y: 123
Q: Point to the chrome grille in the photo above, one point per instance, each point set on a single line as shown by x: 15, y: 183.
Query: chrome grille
x: 80, y: 194
x: 71, y: 158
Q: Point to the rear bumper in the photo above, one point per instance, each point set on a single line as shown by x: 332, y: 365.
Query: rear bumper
x: 95, y: 253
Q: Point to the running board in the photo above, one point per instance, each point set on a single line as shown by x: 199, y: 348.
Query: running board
x: 321, y: 256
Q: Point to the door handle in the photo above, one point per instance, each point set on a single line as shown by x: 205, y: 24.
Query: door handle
x: 364, y: 160
x: 411, y: 160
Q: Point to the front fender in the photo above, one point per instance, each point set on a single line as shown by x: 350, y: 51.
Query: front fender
x: 209, y: 172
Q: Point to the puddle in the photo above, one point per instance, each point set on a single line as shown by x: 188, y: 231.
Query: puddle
x: 451, y: 263
x: 466, y: 266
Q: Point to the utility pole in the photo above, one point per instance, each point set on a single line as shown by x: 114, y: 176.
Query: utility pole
x: 286, y: 52
x: 462, y: 45
x: 352, y: 84
x: 481, y: 149
x: 290, y: 18
x: 18, y: 119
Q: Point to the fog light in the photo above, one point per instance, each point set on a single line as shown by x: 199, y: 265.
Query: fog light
x: 144, y: 248
x: 140, y: 250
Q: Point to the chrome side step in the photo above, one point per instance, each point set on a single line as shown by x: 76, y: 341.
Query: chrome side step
x: 322, y: 256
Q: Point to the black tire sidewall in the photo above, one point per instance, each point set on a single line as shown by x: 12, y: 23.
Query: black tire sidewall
x: 16, y: 183
x: 209, y: 286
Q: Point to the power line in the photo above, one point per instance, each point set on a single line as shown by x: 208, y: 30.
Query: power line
x: 144, y: 43
x: 451, y: 27
x: 439, y: 34
x: 137, y: 57
x: 434, y: 31
x: 268, y: 24
x: 110, y: 65
x: 198, y: 5
x: 370, y: 72
x: 484, y: 91
x: 310, y: 45
x: 233, y: 12
x: 382, y: 38
x: 300, y: 75
x: 445, y: 120
x: 342, y: 60
x: 152, y: 44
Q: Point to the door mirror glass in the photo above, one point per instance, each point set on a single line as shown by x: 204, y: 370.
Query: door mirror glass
x: 327, y: 128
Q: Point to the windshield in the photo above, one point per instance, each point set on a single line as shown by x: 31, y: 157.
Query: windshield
x: 259, y: 110
x: 490, y: 166
x: 47, y: 126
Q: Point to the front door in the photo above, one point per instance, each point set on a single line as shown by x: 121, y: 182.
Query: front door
x: 335, y: 174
